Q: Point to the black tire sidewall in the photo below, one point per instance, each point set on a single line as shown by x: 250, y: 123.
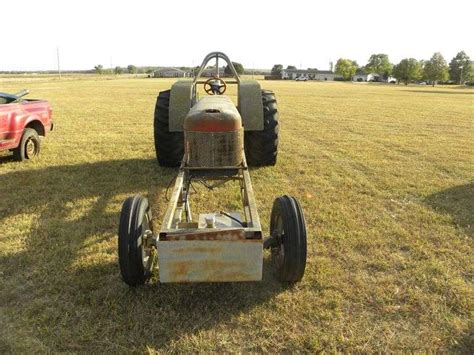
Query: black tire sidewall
x: 295, y: 241
x: 130, y: 230
x: 19, y: 153
x: 261, y: 147
x: 169, y: 146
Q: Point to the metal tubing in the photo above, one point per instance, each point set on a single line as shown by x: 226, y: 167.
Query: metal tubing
x: 213, y: 55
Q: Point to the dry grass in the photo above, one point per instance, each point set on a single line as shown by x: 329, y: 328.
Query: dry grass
x: 385, y: 174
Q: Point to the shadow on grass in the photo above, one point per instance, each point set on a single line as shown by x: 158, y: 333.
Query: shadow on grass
x: 6, y: 158
x: 65, y: 274
x: 454, y: 92
x: 458, y: 202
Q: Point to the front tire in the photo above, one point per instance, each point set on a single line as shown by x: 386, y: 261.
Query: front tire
x: 288, y: 227
x: 136, y: 254
x: 261, y: 147
x: 30, y: 145
x: 169, y: 146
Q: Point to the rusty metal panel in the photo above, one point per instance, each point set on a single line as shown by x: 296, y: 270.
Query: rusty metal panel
x: 209, y: 234
x: 209, y: 149
x: 180, y: 103
x: 210, y: 261
x: 220, y: 103
x: 213, y: 133
x: 251, y: 105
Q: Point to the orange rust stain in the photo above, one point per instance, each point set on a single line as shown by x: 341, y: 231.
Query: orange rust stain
x: 198, y: 250
x: 180, y: 269
x: 213, y: 235
x: 214, y: 269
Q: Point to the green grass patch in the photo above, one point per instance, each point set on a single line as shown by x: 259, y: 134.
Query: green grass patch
x: 385, y: 176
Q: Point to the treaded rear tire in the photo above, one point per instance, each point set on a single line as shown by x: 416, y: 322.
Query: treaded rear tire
x: 169, y: 146
x: 261, y: 147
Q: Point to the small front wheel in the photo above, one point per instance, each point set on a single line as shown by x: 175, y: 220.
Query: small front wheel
x: 288, y: 229
x: 135, y: 248
x: 29, y: 147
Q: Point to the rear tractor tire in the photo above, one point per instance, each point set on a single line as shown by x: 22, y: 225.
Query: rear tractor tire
x: 261, y: 147
x: 136, y: 253
x: 169, y: 146
x: 288, y: 229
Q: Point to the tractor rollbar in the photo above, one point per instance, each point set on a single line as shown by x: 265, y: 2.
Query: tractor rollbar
x: 216, y: 55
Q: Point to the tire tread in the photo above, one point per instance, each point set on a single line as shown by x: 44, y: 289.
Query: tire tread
x: 169, y: 146
x: 261, y: 147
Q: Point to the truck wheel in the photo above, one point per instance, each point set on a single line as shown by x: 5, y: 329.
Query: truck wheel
x: 136, y: 254
x: 261, y: 147
x: 169, y: 146
x: 30, y: 145
x: 288, y: 227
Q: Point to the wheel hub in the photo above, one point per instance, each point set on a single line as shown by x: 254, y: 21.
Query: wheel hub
x: 30, y: 149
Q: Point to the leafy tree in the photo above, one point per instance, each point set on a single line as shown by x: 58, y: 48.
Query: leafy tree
x: 239, y: 68
x: 379, y: 64
x: 407, y: 70
x: 436, y: 69
x: 118, y: 70
x: 346, y: 68
x: 460, y: 64
x: 277, y: 68
x: 290, y: 67
x: 99, y: 69
x: 396, y: 72
x: 132, y: 69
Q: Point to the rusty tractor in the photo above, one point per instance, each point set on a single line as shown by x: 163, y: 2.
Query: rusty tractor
x: 213, y: 141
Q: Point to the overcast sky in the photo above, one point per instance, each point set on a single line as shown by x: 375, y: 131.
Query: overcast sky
x: 255, y: 33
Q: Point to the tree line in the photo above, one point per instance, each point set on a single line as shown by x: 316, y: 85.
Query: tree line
x: 434, y: 70
x: 132, y: 69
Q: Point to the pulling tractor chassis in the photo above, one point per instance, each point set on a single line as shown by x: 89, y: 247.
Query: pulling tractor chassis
x: 212, y: 141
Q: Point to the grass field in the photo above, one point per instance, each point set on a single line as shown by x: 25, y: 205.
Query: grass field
x: 385, y: 175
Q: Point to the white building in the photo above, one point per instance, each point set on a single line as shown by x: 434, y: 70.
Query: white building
x: 310, y: 74
x: 212, y: 72
x: 373, y: 77
x: 170, y: 73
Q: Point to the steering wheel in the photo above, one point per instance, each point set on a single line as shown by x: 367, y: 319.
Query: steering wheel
x: 215, y: 86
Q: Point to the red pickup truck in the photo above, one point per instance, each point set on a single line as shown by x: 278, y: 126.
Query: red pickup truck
x: 22, y: 122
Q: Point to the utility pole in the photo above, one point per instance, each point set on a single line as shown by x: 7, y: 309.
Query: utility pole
x: 59, y: 67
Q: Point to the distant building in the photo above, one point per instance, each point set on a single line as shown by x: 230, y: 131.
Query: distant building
x: 310, y: 74
x: 360, y: 77
x: 373, y: 77
x: 170, y: 73
x: 212, y: 72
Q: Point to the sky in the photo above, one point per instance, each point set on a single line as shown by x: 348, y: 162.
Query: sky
x: 256, y: 33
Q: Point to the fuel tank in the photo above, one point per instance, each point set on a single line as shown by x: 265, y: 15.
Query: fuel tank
x: 213, y: 133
